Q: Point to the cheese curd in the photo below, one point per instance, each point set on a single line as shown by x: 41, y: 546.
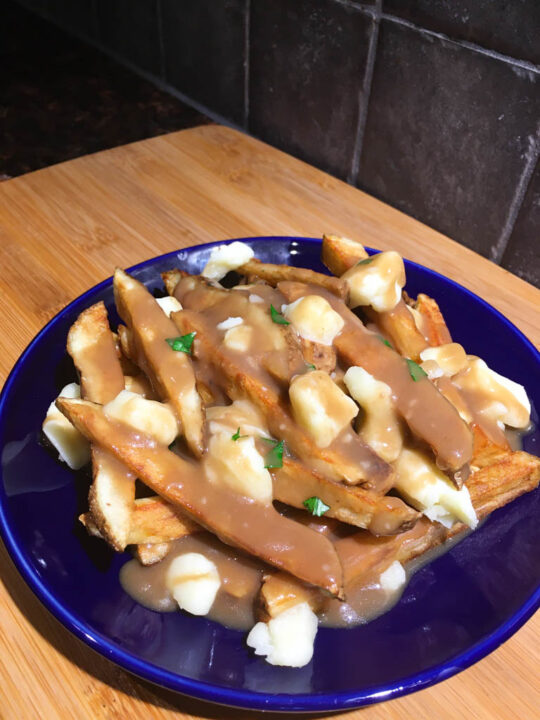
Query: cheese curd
x: 241, y: 414
x: 149, y: 416
x: 72, y: 447
x: 507, y: 400
x: 286, y: 639
x: 168, y: 304
x: 193, y: 581
x: 394, y: 577
x: 238, y: 465
x: 426, y: 488
x: 381, y: 428
x: 225, y: 258
x: 320, y: 406
x: 314, y: 319
x: 378, y: 282
x: 450, y: 358
x: 238, y: 338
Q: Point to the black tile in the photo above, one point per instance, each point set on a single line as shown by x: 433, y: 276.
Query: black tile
x: 446, y: 133
x: 130, y: 28
x: 307, y: 64
x: 78, y: 16
x: 61, y: 98
x: 511, y: 27
x: 204, y: 52
x: 522, y: 255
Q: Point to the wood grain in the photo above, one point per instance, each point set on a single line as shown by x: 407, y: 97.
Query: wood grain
x: 62, y: 230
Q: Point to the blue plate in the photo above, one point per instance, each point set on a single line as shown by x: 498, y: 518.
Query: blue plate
x: 454, y: 611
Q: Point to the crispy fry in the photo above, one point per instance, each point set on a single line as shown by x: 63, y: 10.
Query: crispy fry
x: 358, y: 347
x: 171, y: 278
x: 365, y: 466
x: 274, y: 274
x: 486, y: 451
x: 434, y: 325
x: 91, y: 345
x: 293, y: 483
x: 216, y: 508
x: 399, y: 326
x: 170, y: 372
x: 339, y: 254
x: 151, y: 553
x: 126, y: 343
x: 281, y: 591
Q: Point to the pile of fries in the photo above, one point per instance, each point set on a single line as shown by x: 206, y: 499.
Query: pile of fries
x: 337, y: 395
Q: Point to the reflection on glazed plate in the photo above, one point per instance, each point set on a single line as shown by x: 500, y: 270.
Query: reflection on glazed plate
x: 454, y: 612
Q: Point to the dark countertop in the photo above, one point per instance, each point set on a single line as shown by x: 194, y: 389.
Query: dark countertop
x: 61, y: 98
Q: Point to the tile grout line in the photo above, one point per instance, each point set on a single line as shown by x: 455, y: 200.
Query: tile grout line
x: 523, y: 64
x: 364, y: 96
x: 532, y: 154
x: 161, y: 42
x: 247, y: 63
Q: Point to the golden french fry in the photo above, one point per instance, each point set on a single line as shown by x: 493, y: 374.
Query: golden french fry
x: 339, y: 254
x: 274, y: 274
x: 151, y: 553
x: 216, y: 508
x: 322, y: 356
x: 170, y: 372
x: 399, y: 326
x: 91, y: 345
x: 434, y: 325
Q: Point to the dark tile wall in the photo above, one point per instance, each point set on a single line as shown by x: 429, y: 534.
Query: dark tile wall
x: 431, y: 105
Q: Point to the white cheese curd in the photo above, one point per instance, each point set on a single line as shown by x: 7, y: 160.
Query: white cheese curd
x: 427, y: 488
x: 229, y: 323
x: 238, y: 338
x: 148, y: 416
x: 450, y: 358
x: 378, y: 282
x: 72, y: 447
x: 432, y: 369
x: 238, y: 465
x: 255, y: 298
x: 314, y: 319
x: 193, y: 581
x: 241, y: 414
x: 225, y: 258
x: 169, y: 305
x: 506, y: 400
x: 320, y: 406
x: 381, y: 428
x: 287, y: 639
x: 394, y: 577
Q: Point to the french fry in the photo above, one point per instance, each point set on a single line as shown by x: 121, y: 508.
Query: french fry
x: 171, y: 278
x: 339, y: 254
x: 281, y: 591
x: 366, y: 467
x: 170, y: 372
x: 151, y: 553
x: 214, y: 507
x: 91, y: 345
x: 399, y: 326
x: 322, y: 356
x: 293, y: 483
x: 356, y: 346
x: 434, y: 324
x: 274, y: 274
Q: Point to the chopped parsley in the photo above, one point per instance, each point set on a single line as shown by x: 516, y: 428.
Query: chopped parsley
x: 316, y: 506
x: 277, y: 317
x: 182, y: 343
x: 385, y: 341
x: 416, y: 372
x: 171, y: 446
x: 310, y: 366
x: 274, y: 457
x: 365, y: 261
x: 237, y: 436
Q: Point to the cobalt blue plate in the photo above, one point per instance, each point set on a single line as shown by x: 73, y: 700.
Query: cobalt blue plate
x: 454, y: 612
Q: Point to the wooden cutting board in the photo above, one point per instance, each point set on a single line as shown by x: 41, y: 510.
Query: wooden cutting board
x: 65, y: 228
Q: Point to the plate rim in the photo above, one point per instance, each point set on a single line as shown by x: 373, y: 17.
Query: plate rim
x: 211, y: 692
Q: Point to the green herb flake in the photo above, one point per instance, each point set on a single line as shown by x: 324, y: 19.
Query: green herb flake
x: 171, y: 446
x: 365, y: 261
x: 277, y: 317
x: 274, y: 458
x: 182, y: 343
x: 385, y: 341
x: 237, y: 435
x: 416, y: 372
x: 310, y: 366
x: 316, y: 506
